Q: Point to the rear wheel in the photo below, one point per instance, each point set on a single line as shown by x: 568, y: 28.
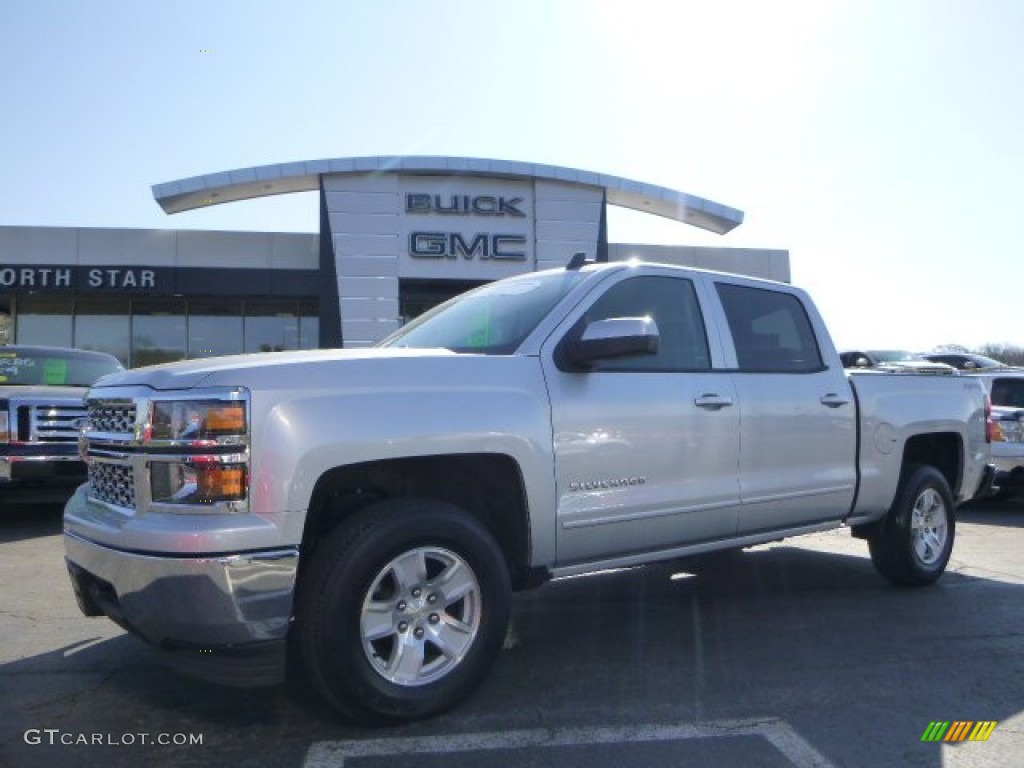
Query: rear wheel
x: 912, y: 544
x: 402, y: 611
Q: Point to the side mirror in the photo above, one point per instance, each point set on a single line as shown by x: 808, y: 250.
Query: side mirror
x: 614, y: 337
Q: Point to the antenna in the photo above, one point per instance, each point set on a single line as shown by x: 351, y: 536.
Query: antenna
x: 578, y: 260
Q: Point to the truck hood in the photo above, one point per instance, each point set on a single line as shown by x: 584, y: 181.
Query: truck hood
x: 236, y: 369
x: 41, y: 392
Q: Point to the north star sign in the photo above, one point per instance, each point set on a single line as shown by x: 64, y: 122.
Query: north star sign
x: 57, y: 278
x: 480, y: 245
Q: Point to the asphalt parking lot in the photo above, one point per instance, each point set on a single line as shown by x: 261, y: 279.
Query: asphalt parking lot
x: 794, y: 654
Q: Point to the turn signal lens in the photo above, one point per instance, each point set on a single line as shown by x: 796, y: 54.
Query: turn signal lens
x: 221, y: 484
x: 196, y: 483
x: 226, y: 420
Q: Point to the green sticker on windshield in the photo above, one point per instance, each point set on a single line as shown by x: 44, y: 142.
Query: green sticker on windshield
x: 55, y: 372
x: 480, y: 336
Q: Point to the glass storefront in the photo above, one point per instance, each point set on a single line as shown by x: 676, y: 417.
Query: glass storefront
x: 149, y: 331
x: 158, y: 331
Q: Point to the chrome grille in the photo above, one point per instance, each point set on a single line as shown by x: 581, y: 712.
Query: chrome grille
x: 112, y: 483
x: 56, y: 423
x: 112, y: 416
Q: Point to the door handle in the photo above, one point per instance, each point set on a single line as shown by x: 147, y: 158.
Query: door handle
x: 832, y: 400
x: 712, y: 401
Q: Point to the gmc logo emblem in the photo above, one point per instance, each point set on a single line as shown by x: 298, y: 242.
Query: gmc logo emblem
x: 451, y: 245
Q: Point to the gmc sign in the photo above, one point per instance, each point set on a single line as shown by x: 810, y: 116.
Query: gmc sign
x: 451, y: 245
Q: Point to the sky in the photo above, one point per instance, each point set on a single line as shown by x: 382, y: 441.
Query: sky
x: 880, y: 142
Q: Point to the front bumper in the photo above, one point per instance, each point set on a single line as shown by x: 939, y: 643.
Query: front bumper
x: 205, y: 611
x: 37, y: 467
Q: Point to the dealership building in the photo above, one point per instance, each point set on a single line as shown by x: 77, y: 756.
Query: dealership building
x: 397, y: 236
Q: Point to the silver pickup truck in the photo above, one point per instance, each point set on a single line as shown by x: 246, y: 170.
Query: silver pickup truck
x: 371, y: 511
x: 42, y: 391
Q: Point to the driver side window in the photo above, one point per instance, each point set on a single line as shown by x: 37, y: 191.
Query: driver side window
x: 672, y: 304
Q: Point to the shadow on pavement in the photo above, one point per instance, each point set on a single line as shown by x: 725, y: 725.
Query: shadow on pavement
x: 29, y: 521
x: 814, y: 638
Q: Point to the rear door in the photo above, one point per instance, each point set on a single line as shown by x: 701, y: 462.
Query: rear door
x: 797, y: 416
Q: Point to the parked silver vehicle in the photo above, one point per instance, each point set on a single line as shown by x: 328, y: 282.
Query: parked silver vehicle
x: 892, y: 361
x: 369, y: 511
x: 41, y: 403
x: 1006, y: 427
x: 964, y: 361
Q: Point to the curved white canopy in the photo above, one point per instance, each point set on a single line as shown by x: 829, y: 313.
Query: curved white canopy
x: 282, y: 178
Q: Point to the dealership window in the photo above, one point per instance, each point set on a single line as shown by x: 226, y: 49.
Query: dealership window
x: 6, y: 324
x: 45, y: 321
x: 270, y: 327
x: 104, y: 325
x: 214, y: 328
x: 309, y: 325
x: 158, y: 331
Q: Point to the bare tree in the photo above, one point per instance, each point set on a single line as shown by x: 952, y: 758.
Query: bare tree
x: 1010, y: 354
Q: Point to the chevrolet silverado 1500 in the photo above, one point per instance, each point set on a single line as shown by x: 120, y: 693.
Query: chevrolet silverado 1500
x: 371, y: 510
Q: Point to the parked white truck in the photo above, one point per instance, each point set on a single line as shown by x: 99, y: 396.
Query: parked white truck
x: 372, y: 510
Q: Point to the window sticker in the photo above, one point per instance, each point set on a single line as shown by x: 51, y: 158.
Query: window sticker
x: 480, y: 335
x: 55, y: 372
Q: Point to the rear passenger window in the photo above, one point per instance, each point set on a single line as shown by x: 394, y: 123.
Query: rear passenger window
x: 771, y: 330
x: 1008, y: 393
x: 672, y: 303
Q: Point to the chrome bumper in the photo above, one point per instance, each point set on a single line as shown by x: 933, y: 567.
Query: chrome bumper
x: 199, y: 603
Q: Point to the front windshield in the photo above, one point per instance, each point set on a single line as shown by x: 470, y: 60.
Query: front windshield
x: 53, y: 367
x: 492, y: 320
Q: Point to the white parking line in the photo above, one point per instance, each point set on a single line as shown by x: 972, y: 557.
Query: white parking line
x: 333, y: 754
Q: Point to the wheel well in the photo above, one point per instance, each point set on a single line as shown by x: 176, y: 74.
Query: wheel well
x: 488, y: 486
x: 940, y: 450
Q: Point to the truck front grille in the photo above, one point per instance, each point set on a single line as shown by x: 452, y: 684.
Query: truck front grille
x: 112, y: 483
x: 35, y: 420
x: 55, y: 423
x: 117, y: 416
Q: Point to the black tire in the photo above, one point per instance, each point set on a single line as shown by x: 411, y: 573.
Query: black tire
x: 912, y: 544
x: 371, y: 662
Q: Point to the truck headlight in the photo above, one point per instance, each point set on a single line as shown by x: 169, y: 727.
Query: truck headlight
x: 196, y: 419
x: 197, y: 450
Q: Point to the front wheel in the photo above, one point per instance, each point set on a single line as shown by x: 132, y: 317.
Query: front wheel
x: 912, y: 544
x: 402, y: 611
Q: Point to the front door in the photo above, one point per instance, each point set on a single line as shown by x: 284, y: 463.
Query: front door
x: 646, y: 447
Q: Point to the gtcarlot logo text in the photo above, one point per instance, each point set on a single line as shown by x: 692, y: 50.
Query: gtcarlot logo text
x: 55, y: 736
